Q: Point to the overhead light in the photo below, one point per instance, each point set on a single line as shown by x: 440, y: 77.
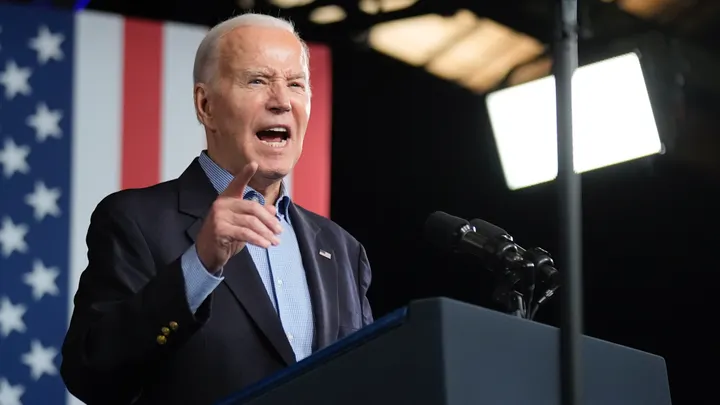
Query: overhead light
x: 369, y: 6
x: 613, y: 122
x: 474, y: 52
x: 290, y: 3
x: 416, y: 40
x: 327, y: 14
x: 384, y: 6
x: 483, y: 57
x: 530, y: 71
x: 652, y: 9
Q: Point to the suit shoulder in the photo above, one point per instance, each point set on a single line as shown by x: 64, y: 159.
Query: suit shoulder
x: 146, y: 200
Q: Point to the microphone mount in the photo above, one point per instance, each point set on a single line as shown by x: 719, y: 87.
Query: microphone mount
x: 541, y: 278
x: 513, y: 273
x: 547, y: 277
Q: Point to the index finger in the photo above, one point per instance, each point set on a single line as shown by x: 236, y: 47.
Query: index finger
x: 238, y: 184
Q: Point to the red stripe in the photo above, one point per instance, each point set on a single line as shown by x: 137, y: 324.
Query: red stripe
x: 311, y: 175
x: 142, y: 87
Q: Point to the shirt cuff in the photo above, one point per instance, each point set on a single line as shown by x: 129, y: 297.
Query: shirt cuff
x: 199, y: 283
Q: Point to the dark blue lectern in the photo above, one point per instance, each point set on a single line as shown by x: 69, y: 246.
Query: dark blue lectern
x: 443, y: 352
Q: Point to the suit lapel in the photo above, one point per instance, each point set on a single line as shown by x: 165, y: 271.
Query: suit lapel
x: 321, y: 273
x: 241, y: 275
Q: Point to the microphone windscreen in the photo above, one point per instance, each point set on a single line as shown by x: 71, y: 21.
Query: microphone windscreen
x: 487, y: 229
x: 442, y: 230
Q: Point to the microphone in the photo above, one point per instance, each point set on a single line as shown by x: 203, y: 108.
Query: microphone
x: 451, y: 234
x: 493, y: 246
x: 547, y: 274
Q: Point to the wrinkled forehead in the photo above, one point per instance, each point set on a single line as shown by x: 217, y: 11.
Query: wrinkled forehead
x: 270, y: 50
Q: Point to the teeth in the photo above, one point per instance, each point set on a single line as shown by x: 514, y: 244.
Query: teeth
x: 277, y: 129
x: 278, y: 144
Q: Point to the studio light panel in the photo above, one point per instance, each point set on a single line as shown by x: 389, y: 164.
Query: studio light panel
x: 613, y: 122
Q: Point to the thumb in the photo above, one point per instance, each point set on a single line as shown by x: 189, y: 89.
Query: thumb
x: 238, y: 184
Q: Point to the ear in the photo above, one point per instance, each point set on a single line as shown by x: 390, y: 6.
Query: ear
x: 203, y: 109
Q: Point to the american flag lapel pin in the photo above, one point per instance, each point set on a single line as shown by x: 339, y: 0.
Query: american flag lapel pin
x: 325, y: 254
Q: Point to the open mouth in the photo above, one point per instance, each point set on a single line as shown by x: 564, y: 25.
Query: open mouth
x: 275, y: 137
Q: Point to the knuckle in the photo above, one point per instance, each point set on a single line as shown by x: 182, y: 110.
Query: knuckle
x: 250, y: 237
x: 255, y: 208
x: 255, y: 223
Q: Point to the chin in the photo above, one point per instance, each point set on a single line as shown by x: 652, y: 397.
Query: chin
x: 273, y: 175
x: 273, y: 171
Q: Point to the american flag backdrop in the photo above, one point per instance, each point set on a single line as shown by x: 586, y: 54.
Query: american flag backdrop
x: 91, y: 103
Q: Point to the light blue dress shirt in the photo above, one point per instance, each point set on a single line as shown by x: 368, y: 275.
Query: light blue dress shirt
x: 280, y: 268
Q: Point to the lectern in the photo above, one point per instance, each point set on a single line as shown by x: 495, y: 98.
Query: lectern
x: 440, y: 351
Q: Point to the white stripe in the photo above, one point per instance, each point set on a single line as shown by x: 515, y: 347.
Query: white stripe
x: 182, y: 135
x: 97, y: 119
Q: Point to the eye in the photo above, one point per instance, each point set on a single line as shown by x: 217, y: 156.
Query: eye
x: 297, y: 84
x: 257, y: 81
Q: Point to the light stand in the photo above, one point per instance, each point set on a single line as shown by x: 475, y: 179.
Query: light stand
x: 565, y: 64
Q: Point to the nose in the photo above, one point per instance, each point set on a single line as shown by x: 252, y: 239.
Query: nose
x: 279, y: 101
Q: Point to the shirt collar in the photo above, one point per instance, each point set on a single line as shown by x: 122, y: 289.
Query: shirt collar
x: 221, y: 178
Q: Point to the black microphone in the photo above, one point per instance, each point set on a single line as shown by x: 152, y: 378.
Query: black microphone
x: 547, y: 274
x: 451, y: 234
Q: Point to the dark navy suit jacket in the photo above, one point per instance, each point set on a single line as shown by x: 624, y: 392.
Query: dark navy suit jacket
x: 132, y: 337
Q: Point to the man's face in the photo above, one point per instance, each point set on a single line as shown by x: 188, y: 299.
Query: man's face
x: 258, y: 103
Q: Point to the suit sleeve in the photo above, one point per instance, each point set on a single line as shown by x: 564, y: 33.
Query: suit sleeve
x: 364, y: 279
x: 131, y: 314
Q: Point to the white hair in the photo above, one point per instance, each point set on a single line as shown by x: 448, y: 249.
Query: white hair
x: 206, y: 57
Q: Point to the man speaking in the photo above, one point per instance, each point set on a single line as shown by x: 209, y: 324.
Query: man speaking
x: 199, y: 286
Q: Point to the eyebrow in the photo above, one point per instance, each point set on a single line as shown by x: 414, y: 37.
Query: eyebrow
x: 296, y: 76
x: 270, y: 73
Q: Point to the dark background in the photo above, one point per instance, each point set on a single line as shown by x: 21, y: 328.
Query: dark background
x: 649, y: 226
x: 406, y: 144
